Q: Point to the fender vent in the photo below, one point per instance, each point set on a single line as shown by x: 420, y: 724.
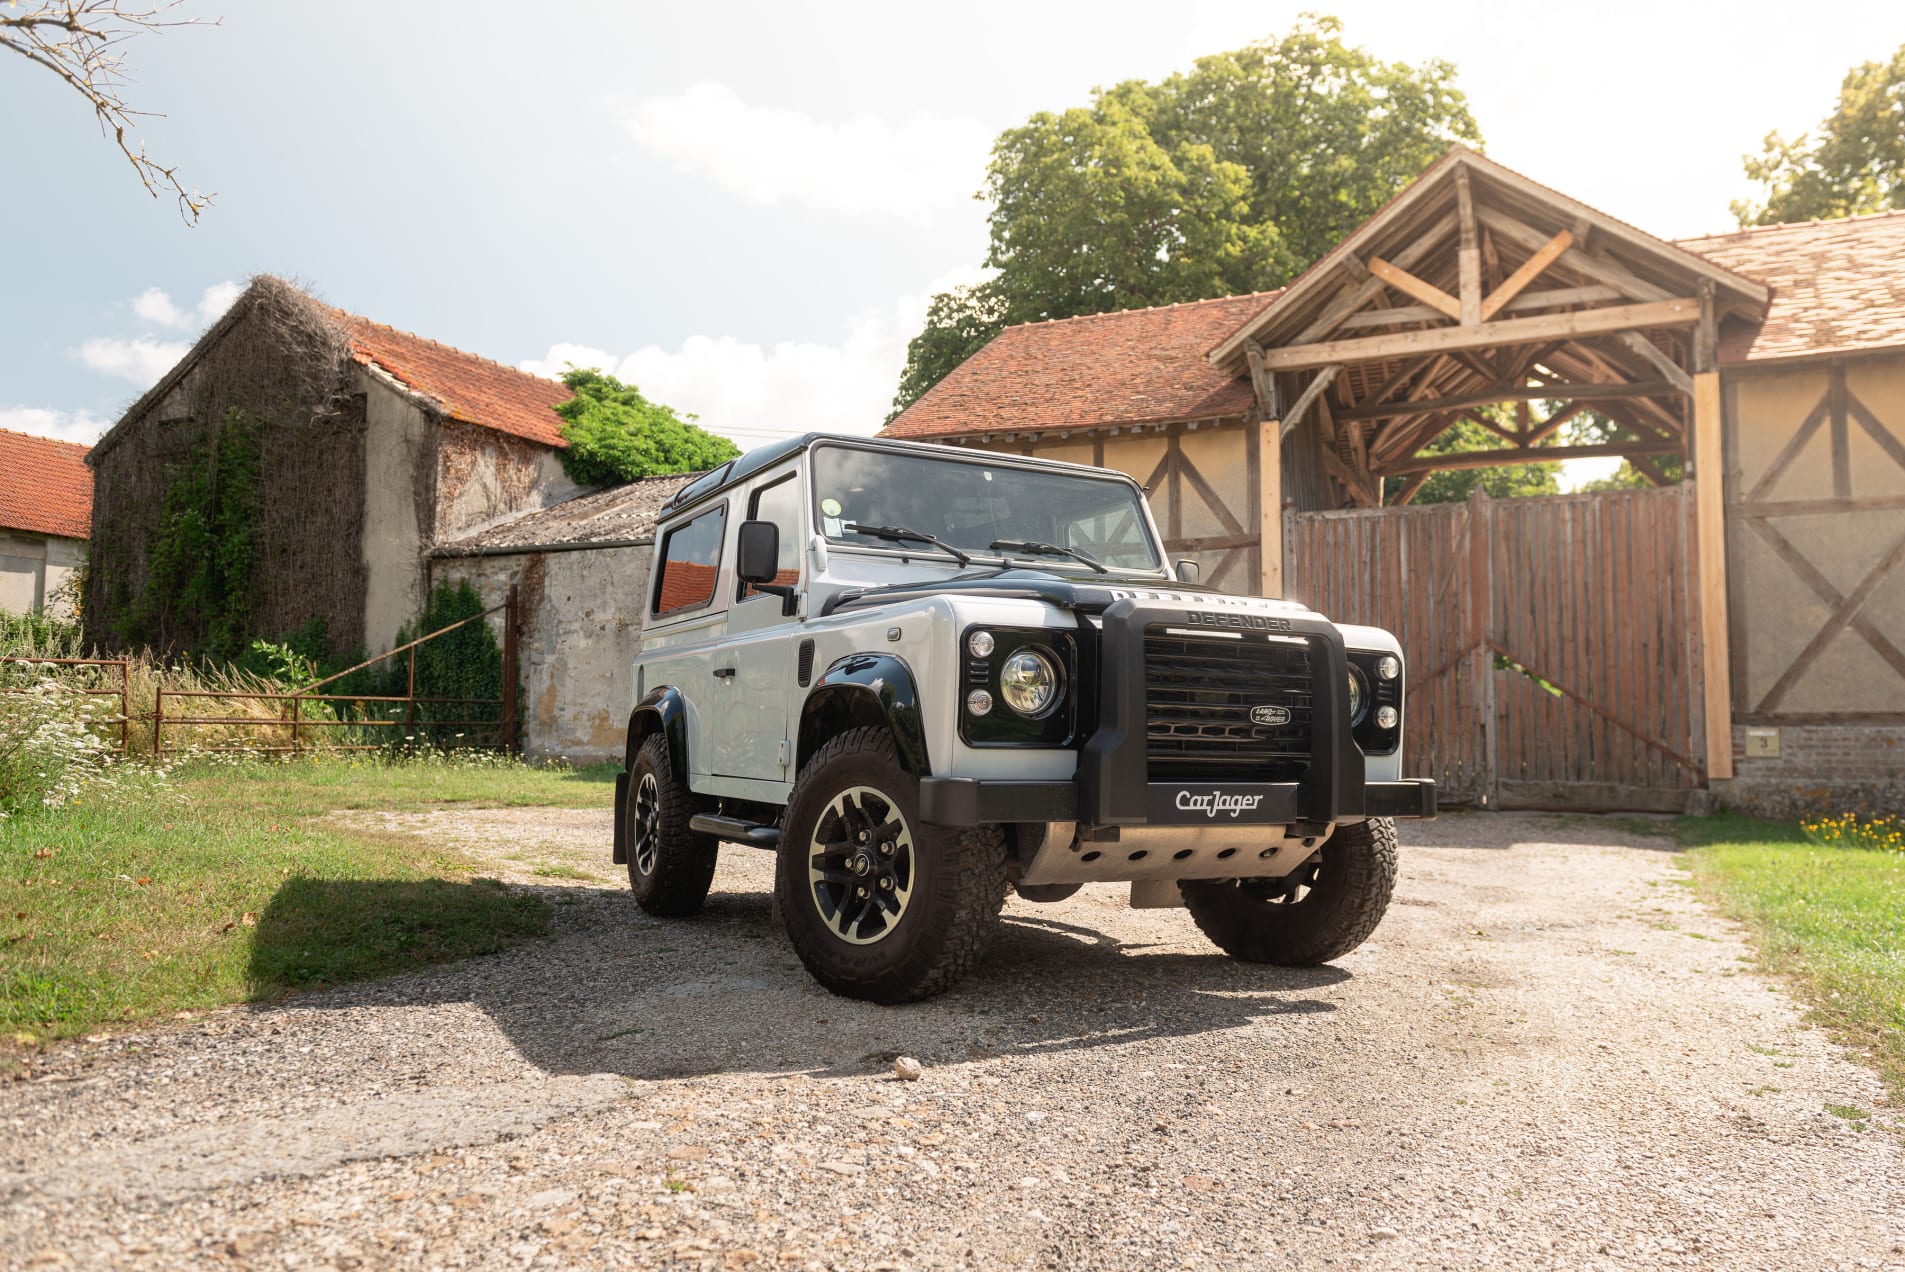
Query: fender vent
x: 804, y: 669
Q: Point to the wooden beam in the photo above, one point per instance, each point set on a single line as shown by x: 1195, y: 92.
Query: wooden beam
x: 1403, y: 281
x: 1706, y: 334
x: 1311, y: 392
x: 1530, y: 270
x: 1347, y: 305
x: 1597, y: 268
x: 1647, y: 349
x: 1678, y: 312
x: 1469, y: 257
x: 1549, y: 427
x: 1352, y: 483
x: 1264, y: 384
x: 1508, y: 435
x: 1709, y: 504
x: 1269, y: 443
x: 1410, y: 489
x: 1525, y: 393
x: 1523, y: 455
x: 1553, y: 298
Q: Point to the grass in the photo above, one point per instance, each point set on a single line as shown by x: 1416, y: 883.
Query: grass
x: 1830, y: 918
x: 224, y: 883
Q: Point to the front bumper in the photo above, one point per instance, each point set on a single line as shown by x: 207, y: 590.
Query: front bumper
x: 1112, y: 786
x: 969, y: 801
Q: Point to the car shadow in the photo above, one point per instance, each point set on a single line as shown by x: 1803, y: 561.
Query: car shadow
x: 615, y: 990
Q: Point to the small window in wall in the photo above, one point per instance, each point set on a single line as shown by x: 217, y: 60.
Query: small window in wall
x: 780, y: 504
x: 690, y: 559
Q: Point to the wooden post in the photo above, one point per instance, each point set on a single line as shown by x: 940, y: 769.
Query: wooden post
x: 510, y: 655
x: 1709, y: 497
x: 1269, y: 443
x: 1469, y: 256
x: 410, y: 700
x: 297, y: 713
x: 158, y: 714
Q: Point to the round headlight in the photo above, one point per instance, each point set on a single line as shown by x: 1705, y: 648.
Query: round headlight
x: 979, y: 702
x: 1029, y: 682
x: 980, y: 644
x: 1358, y: 696
x: 1386, y: 717
x: 1388, y: 667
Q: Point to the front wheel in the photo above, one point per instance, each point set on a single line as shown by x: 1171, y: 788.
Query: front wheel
x: 878, y: 904
x: 1320, y: 911
x: 670, y: 867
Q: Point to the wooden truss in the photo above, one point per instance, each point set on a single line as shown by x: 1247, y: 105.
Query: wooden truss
x: 1475, y: 288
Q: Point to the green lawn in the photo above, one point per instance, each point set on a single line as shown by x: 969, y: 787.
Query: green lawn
x: 1831, y: 918
x: 223, y: 884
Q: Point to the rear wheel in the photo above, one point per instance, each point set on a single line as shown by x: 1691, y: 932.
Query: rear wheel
x: 1320, y: 911
x: 878, y: 904
x: 670, y: 868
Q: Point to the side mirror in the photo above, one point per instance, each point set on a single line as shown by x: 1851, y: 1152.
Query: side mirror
x: 760, y: 552
x: 1187, y: 571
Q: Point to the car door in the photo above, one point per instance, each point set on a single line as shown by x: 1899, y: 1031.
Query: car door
x: 761, y: 641
x: 684, y: 643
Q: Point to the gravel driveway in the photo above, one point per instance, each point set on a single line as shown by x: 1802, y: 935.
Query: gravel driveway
x: 1549, y: 1056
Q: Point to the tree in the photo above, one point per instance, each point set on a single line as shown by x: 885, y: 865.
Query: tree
x: 1854, y: 162
x: 617, y: 435
x: 1228, y: 178
x: 78, y: 40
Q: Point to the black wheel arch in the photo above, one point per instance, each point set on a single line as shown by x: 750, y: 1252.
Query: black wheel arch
x: 664, y: 711
x: 860, y: 690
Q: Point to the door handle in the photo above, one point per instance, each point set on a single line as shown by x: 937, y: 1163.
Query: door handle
x: 724, y: 673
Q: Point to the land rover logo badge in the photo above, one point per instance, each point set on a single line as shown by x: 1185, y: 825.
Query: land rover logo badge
x: 1270, y: 715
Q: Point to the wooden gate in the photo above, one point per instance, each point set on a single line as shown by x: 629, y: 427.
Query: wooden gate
x: 1552, y: 646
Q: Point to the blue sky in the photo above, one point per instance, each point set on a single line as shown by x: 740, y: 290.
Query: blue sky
x: 742, y: 207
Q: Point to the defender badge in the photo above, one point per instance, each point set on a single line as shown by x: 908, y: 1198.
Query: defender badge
x: 1270, y: 715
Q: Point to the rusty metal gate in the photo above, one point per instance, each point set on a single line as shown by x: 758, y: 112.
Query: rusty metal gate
x: 1552, y: 642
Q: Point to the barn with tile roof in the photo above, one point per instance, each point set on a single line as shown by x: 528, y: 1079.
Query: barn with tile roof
x: 359, y: 448
x: 46, y: 509
x: 1282, y: 436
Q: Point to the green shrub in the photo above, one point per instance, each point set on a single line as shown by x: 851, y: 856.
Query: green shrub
x: 617, y: 435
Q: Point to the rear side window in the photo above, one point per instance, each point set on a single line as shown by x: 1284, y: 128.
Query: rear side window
x: 690, y: 559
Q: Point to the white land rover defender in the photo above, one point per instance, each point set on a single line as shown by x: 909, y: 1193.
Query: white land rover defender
x: 921, y: 675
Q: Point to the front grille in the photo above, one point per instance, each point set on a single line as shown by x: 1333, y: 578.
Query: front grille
x: 1198, y: 694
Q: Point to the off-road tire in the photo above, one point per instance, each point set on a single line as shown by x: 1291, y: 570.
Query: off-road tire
x: 1353, y: 880
x: 958, y: 882
x: 673, y: 880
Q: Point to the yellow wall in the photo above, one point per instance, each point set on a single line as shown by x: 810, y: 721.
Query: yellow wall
x: 1837, y: 533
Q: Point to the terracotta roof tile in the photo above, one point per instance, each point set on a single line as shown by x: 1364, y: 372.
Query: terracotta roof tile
x: 467, y: 387
x: 1838, y: 286
x: 1134, y: 366
x: 45, y: 486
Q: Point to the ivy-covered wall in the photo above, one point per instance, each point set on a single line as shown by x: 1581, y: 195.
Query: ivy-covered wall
x: 229, y: 504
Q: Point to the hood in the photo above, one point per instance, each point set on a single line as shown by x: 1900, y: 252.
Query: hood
x: 1090, y: 595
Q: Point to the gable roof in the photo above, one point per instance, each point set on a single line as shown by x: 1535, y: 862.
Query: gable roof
x: 1838, y: 286
x: 45, y: 486
x: 1422, y: 209
x: 1130, y: 367
x: 465, y: 386
x: 619, y: 515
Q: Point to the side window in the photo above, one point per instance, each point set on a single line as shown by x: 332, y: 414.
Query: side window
x: 780, y: 504
x: 690, y: 558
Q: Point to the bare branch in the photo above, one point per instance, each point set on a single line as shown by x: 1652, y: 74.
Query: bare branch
x: 78, y: 40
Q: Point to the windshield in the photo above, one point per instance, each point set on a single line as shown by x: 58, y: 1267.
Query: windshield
x: 972, y: 505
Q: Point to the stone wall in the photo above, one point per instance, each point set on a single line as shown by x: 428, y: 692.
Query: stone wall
x: 581, y: 627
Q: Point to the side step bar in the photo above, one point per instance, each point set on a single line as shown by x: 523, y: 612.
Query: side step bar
x: 735, y: 830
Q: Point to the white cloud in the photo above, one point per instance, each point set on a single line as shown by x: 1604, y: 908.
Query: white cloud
x: 154, y: 306
x: 773, y: 155
x: 68, y: 426
x: 756, y: 393
x: 141, y: 360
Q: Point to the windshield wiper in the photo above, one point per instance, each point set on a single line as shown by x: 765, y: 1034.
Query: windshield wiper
x: 900, y: 534
x: 1035, y: 548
